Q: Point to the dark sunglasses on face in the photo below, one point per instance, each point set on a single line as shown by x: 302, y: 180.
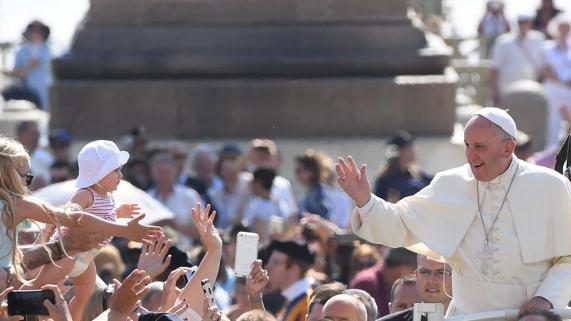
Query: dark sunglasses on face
x: 28, y: 178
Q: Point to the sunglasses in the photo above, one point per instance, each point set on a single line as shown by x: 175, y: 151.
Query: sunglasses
x: 28, y: 178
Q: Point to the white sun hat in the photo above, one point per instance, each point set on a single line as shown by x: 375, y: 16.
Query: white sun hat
x: 501, y: 118
x: 96, y: 160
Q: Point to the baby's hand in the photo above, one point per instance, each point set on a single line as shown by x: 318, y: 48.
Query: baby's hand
x: 128, y: 210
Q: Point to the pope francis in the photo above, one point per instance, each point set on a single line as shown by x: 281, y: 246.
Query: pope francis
x: 502, y: 224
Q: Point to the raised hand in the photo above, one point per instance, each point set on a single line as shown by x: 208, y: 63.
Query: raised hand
x: 154, y: 259
x: 60, y: 310
x: 128, y: 210
x: 170, y: 291
x: 127, y: 294
x: 142, y: 233
x: 257, y: 280
x: 204, y: 223
x: 211, y: 313
x: 353, y: 181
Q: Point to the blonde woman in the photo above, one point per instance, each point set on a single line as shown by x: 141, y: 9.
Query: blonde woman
x: 16, y: 206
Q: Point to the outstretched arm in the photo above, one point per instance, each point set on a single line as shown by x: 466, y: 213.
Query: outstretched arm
x: 133, y: 230
x: 208, y: 267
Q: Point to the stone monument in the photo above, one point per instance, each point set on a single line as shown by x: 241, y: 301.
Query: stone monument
x: 243, y: 68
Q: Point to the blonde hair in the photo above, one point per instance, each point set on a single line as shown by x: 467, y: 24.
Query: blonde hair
x: 14, y: 162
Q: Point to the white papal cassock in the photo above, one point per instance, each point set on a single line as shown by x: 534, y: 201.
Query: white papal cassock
x: 529, y: 248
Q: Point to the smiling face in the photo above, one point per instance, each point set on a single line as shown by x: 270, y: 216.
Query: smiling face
x: 434, y: 280
x: 488, y: 153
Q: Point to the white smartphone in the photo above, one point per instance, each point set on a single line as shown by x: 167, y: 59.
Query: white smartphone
x: 246, y: 252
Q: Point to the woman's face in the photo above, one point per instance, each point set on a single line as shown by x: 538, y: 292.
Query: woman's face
x: 303, y: 175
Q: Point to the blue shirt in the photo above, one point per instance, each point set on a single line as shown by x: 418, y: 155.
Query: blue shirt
x: 38, y: 79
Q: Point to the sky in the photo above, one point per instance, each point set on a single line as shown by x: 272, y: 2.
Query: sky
x: 63, y: 16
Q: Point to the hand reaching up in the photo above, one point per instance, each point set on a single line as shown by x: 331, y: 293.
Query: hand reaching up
x: 204, y: 223
x: 142, y: 233
x: 170, y: 291
x: 353, y: 181
x: 127, y: 294
x: 257, y: 280
x: 154, y: 259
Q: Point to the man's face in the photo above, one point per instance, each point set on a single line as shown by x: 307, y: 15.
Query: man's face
x: 164, y: 174
x: 486, y: 153
x: 263, y: 158
x: 432, y: 278
x: 204, y: 165
x: 406, y: 296
x: 277, y: 269
x: 30, y: 137
x: 524, y: 26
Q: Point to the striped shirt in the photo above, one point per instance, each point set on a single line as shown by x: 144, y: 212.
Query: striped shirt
x: 102, y: 207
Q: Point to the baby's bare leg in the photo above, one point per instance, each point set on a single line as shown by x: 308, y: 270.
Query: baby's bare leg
x: 84, y: 285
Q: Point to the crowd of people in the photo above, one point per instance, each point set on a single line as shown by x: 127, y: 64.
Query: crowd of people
x: 103, y: 264
x: 492, y: 234
x: 536, y: 49
x: 305, y: 239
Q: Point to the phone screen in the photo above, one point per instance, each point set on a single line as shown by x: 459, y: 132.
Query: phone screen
x: 246, y: 252
x: 29, y: 302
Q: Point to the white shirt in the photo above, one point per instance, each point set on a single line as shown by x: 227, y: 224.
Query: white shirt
x: 298, y: 288
x: 559, y: 60
x: 229, y: 204
x: 342, y: 205
x: 266, y: 210
x: 281, y: 190
x: 180, y: 202
x: 517, y: 58
x: 484, y: 280
x: 493, y: 26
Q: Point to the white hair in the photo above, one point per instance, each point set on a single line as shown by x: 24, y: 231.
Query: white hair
x: 202, y: 148
x: 347, y: 299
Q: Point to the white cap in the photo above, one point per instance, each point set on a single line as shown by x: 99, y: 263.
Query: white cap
x: 96, y: 160
x: 501, y: 118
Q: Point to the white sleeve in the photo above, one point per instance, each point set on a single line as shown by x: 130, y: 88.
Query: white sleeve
x: 556, y: 287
